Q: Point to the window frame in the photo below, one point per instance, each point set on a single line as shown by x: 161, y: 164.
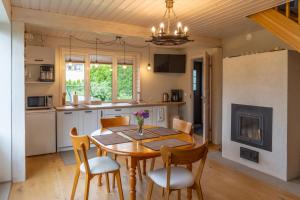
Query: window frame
x: 115, y: 56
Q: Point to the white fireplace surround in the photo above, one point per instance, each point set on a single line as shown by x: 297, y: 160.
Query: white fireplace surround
x: 270, y: 79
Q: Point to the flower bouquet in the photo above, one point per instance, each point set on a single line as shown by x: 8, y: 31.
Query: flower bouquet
x: 140, y: 116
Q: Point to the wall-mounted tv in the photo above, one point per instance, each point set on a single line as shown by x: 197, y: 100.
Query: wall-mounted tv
x: 169, y: 63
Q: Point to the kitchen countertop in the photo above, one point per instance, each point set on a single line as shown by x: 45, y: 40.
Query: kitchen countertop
x: 114, y: 105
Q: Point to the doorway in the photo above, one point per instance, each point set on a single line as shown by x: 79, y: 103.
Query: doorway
x: 197, y: 96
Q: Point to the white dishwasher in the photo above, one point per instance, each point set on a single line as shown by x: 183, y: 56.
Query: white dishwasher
x: 40, y: 132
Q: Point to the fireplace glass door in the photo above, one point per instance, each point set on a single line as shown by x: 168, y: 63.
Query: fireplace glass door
x: 250, y: 128
x: 252, y: 125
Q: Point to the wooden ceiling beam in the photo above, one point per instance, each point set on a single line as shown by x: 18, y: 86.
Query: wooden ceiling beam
x: 82, y: 24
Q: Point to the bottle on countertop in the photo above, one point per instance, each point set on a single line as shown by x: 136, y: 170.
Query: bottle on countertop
x: 75, y: 99
x: 63, y: 102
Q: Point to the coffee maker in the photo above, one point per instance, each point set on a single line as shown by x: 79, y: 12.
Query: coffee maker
x: 176, y: 95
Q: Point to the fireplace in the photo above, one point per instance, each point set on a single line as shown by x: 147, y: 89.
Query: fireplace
x: 252, y: 125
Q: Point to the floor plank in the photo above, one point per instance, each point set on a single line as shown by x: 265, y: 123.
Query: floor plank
x: 49, y: 178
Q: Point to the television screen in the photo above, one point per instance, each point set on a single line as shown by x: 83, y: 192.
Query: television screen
x: 170, y: 63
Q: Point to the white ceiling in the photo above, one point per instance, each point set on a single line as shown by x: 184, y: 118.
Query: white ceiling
x: 214, y: 18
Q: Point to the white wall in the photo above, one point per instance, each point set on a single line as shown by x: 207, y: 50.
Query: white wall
x: 5, y: 101
x: 18, y: 105
x: 262, y: 40
x: 259, y: 80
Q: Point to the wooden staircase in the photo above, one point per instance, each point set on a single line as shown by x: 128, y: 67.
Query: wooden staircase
x: 283, y: 21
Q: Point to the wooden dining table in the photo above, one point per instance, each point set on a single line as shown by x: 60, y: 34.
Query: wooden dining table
x: 136, y: 151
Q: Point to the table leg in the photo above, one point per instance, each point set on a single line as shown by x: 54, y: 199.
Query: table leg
x: 132, y: 174
x: 99, y: 153
x: 189, y: 190
x: 144, y: 167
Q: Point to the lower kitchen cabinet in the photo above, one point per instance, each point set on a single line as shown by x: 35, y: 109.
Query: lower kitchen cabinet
x: 87, y: 121
x: 160, y: 116
x: 40, y: 132
x: 66, y: 120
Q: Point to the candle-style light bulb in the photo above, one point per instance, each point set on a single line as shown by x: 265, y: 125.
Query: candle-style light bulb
x: 175, y: 32
x: 185, y: 30
x: 162, y: 25
x: 179, y: 25
x: 153, y: 29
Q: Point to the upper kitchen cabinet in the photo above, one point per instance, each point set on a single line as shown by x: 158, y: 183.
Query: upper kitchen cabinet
x: 39, y: 55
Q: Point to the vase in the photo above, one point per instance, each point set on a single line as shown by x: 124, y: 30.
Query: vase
x: 140, y: 126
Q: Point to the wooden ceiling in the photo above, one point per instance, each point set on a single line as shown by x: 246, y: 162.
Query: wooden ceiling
x: 213, y: 18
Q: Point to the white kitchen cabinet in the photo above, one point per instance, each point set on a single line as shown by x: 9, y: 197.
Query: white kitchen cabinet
x: 89, y: 121
x: 40, y: 132
x: 160, y: 116
x: 148, y: 121
x: 66, y: 120
x: 116, y: 111
x: 39, y: 55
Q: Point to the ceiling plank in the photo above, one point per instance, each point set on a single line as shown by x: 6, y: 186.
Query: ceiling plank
x: 81, y: 24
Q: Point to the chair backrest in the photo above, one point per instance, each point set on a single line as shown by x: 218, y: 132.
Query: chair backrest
x: 185, y: 157
x: 81, y: 144
x: 115, y: 121
x: 182, y: 126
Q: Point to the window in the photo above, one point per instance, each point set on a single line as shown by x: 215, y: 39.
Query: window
x: 125, y: 82
x: 75, y: 80
x: 102, y: 78
x: 194, y: 80
x: 101, y: 82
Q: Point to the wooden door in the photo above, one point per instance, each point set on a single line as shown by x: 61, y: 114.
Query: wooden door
x: 206, y: 98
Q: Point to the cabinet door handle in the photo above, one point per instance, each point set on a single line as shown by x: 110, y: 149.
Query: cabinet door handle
x: 67, y: 113
x: 88, y: 111
x: 101, y: 113
x: 39, y: 60
x: 118, y: 116
x: 118, y: 109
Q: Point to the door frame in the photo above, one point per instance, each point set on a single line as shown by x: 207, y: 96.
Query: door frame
x: 208, y: 134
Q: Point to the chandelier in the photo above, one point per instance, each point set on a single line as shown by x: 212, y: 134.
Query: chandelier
x: 163, y: 35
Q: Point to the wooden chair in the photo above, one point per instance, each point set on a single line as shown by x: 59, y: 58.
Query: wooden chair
x: 91, y: 167
x: 175, y: 178
x: 179, y: 125
x: 182, y: 126
x: 119, y: 121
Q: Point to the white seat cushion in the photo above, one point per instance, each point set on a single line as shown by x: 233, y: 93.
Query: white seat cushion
x: 101, y: 165
x: 180, y: 177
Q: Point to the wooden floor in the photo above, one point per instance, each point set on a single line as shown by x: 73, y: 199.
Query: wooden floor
x: 49, y: 178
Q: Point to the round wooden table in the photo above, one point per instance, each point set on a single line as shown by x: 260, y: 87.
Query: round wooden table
x: 136, y: 151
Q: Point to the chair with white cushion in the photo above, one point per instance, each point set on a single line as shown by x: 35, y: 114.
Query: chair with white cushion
x: 175, y: 178
x: 91, y: 167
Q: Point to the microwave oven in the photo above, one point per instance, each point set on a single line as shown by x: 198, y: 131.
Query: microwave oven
x: 39, y: 102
